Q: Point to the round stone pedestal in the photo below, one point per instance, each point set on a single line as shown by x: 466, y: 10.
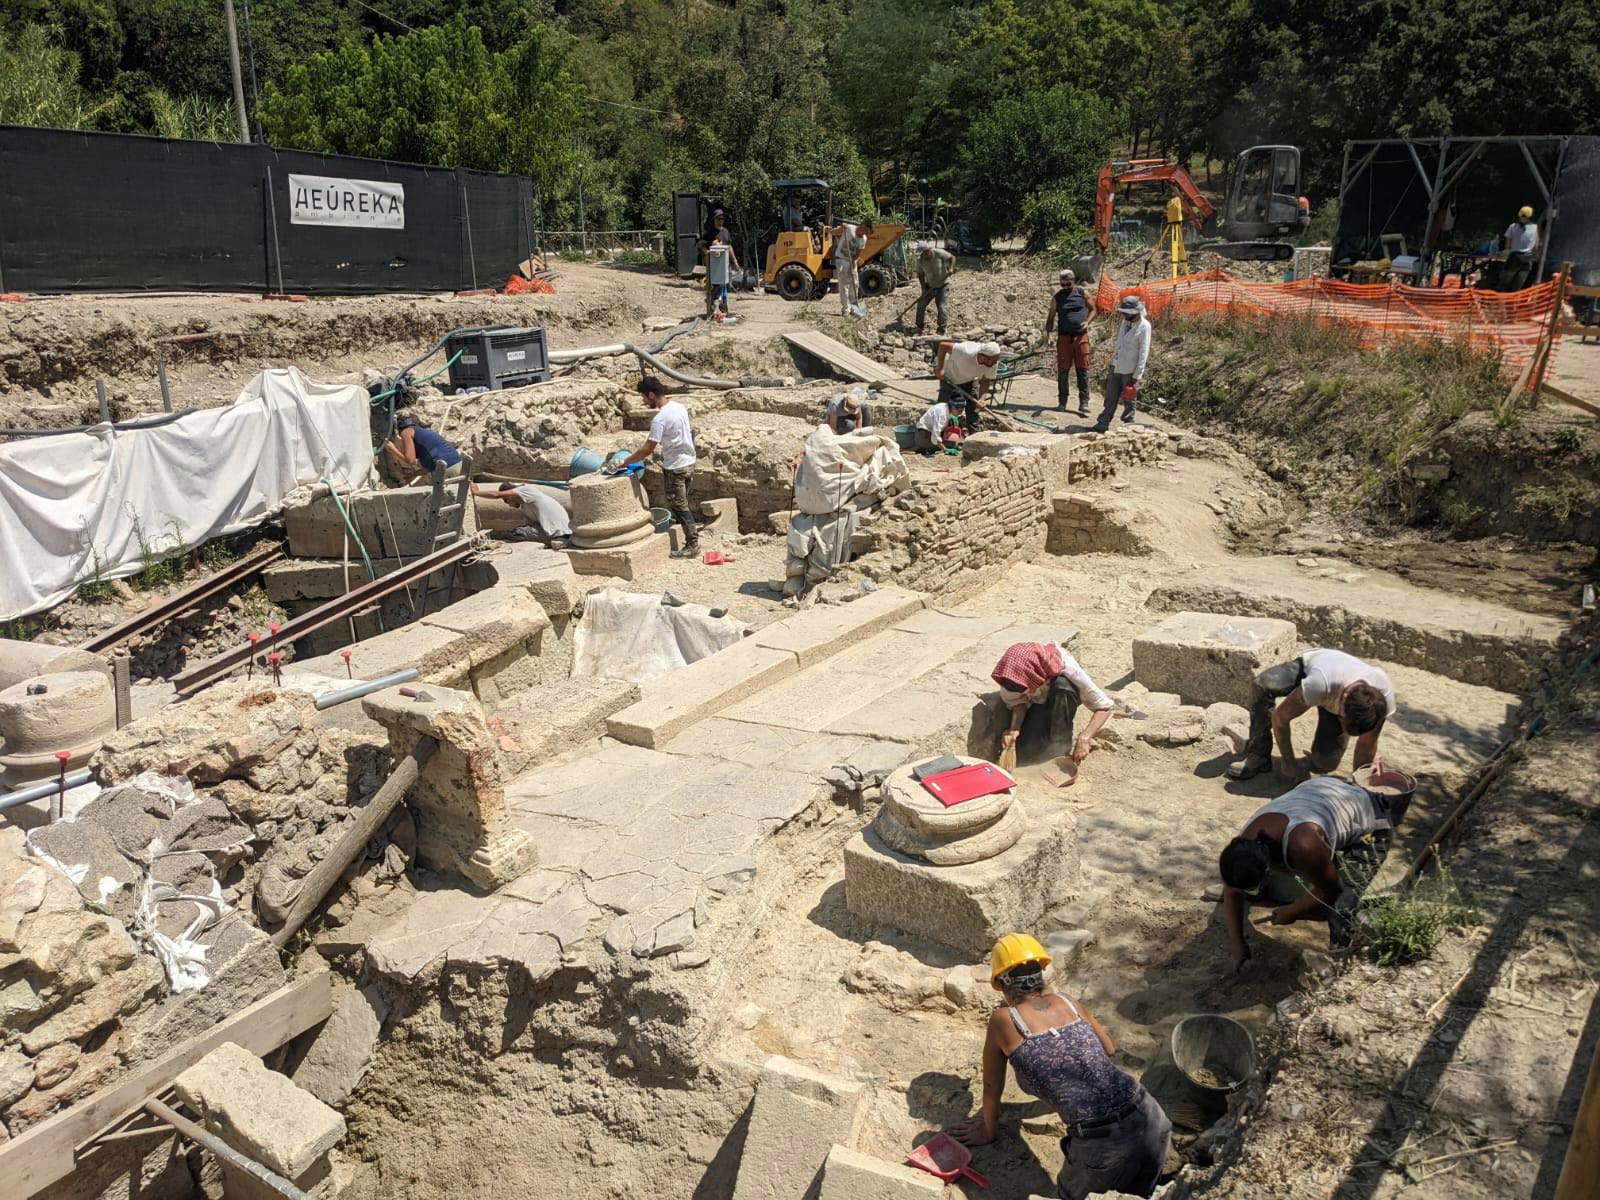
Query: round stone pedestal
x: 963, y: 876
x: 608, y: 510
x: 912, y: 821
x: 75, y: 713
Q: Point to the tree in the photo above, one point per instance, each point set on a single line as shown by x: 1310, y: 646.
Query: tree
x: 1031, y: 163
x: 39, y: 82
x: 435, y: 96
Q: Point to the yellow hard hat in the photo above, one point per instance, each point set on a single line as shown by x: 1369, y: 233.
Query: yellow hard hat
x: 1012, y: 951
x: 1525, y: 213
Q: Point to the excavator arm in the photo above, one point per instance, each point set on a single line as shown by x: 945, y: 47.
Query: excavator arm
x: 1196, y: 208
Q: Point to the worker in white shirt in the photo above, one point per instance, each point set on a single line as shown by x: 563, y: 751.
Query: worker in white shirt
x: 967, y: 371
x: 544, y: 518
x: 1127, y: 363
x: 1353, y: 699
x: 671, y: 435
x: 1521, y: 239
x: 932, y: 425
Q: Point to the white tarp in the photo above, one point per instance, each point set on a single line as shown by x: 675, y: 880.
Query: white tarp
x: 75, y: 504
x: 838, y: 467
x: 633, y: 636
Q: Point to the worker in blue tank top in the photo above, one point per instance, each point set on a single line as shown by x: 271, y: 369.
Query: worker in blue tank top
x: 416, y: 448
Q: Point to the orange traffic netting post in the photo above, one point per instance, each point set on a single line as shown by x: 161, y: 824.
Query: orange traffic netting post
x: 1518, y: 326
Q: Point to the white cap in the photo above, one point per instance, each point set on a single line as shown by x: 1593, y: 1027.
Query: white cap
x: 924, y: 247
x: 990, y: 350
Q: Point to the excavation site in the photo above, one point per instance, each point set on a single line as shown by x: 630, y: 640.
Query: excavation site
x: 421, y: 788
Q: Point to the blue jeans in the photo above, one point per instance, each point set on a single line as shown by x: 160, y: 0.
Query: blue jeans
x: 1114, y: 385
x: 716, y: 294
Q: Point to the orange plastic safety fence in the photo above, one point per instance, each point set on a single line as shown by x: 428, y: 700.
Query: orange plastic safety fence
x: 1508, y: 323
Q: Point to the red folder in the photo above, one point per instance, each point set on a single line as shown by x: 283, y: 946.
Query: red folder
x: 950, y: 788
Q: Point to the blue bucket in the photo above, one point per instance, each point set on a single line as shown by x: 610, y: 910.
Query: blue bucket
x: 586, y: 462
x: 905, y: 436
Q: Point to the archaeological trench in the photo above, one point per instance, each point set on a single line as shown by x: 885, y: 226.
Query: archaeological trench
x: 676, y: 922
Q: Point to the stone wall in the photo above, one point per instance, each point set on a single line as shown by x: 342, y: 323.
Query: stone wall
x: 950, y: 532
x: 1102, y: 455
x: 1081, y: 523
x: 531, y: 432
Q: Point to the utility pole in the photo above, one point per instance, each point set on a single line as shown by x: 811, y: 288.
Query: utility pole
x: 238, y: 74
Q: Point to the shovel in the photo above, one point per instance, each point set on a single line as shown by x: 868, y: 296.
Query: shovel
x: 947, y: 1159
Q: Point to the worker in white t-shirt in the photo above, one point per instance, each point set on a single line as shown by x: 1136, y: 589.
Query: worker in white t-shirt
x: 966, y: 372
x: 671, y: 436
x: 931, y: 425
x: 1522, y: 239
x: 544, y: 518
x: 1352, y: 699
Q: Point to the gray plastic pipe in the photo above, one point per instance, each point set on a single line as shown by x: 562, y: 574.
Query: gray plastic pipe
x: 49, y: 787
x: 365, y: 687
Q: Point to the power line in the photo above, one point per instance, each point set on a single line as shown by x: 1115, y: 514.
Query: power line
x: 619, y: 104
x: 386, y: 16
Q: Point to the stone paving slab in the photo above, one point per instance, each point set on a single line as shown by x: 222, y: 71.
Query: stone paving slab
x: 819, y: 633
x: 702, y: 689
x: 797, y: 751
x: 951, y: 622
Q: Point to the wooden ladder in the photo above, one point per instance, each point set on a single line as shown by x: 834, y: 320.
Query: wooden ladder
x: 444, y: 528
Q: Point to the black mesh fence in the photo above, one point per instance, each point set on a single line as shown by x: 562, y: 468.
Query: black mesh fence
x: 118, y: 212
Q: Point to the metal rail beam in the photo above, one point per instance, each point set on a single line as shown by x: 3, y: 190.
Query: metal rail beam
x: 166, y: 609
x: 206, y: 673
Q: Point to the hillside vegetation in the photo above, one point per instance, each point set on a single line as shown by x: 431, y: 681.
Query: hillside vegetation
x: 1000, y: 109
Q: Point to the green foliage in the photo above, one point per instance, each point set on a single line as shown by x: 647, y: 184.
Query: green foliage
x: 1031, y: 162
x: 99, y: 589
x: 436, y: 96
x: 1395, y: 928
x: 39, y: 81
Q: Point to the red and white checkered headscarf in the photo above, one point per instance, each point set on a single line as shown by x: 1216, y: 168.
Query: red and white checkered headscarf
x: 1032, y: 664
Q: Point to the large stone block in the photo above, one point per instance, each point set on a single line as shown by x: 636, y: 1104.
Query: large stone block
x: 797, y: 1116
x: 699, y: 690
x: 969, y: 906
x: 342, y: 1048
x: 24, y: 660
x: 1210, y: 657
x: 821, y: 632
x: 632, y: 561
x: 851, y: 1175
x: 393, y: 522
x: 258, y: 1112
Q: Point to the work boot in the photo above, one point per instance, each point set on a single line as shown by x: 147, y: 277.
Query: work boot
x: 1127, y: 417
x: 687, y: 551
x: 1249, y: 766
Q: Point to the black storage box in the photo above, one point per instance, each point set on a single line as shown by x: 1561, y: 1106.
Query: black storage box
x: 496, y: 357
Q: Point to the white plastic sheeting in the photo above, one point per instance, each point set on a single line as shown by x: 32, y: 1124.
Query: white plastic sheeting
x: 838, y: 467
x: 76, y: 504
x: 632, y: 636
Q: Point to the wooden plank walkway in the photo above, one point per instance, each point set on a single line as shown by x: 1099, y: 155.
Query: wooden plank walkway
x: 840, y: 357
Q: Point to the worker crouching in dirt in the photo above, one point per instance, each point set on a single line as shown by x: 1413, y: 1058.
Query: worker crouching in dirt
x: 1041, y: 686
x: 1117, y: 1136
x: 1352, y: 698
x: 1312, y: 852
x: 939, y: 426
x: 544, y: 518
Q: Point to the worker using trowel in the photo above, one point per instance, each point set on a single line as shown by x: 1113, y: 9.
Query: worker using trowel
x: 1128, y: 359
x: 1352, y: 698
x: 966, y: 371
x: 1312, y: 852
x: 544, y: 518
x: 1041, y: 686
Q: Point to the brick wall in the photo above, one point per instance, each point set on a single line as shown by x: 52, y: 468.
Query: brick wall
x: 1085, y: 524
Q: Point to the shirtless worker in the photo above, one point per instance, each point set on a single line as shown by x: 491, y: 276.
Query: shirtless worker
x: 1311, y: 852
x: 1352, y: 698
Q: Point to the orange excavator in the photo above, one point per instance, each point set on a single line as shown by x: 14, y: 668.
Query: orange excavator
x: 1263, y: 202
